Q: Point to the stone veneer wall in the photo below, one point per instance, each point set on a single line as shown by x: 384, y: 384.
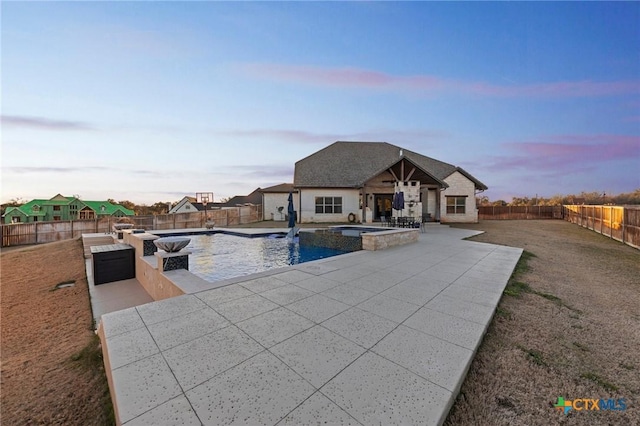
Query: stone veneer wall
x: 330, y: 239
x: 149, y: 268
x: 368, y: 241
x: 459, y: 186
x: 382, y: 240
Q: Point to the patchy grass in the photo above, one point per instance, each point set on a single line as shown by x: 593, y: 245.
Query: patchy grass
x: 534, y: 355
x: 51, y: 366
x: 509, y: 367
x: 503, y: 313
x: 516, y: 288
x: 523, y: 263
x: 551, y: 297
x: 605, y: 384
x: 90, y: 359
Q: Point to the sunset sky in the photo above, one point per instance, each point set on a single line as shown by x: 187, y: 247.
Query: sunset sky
x: 151, y: 101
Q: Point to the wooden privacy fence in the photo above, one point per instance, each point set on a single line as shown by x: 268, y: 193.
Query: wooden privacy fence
x: 519, y: 212
x: 621, y: 223
x: 15, y: 234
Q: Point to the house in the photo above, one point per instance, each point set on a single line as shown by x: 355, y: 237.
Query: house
x: 275, y: 200
x: 336, y: 182
x: 63, y: 208
x: 187, y: 205
x: 190, y: 204
x: 254, y: 198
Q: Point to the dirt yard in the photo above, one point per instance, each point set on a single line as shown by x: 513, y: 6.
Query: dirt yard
x: 51, y: 367
x: 568, y: 325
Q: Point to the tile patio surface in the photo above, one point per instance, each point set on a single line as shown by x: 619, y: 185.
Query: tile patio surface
x: 381, y: 337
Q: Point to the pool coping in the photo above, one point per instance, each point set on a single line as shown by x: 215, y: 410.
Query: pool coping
x: 468, y: 300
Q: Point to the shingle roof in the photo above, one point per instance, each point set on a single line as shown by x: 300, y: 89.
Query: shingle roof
x: 108, y: 207
x: 281, y: 188
x: 351, y: 164
x: 254, y: 198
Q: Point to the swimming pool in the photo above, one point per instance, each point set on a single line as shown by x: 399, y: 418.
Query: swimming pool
x: 219, y: 256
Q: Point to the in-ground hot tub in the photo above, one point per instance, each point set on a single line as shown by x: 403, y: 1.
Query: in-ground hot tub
x: 353, y: 238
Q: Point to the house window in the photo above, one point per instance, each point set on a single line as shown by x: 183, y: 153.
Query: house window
x: 87, y: 213
x: 187, y: 207
x: 56, y: 208
x: 456, y: 204
x: 57, y: 218
x: 15, y: 219
x: 328, y: 205
x: 36, y: 208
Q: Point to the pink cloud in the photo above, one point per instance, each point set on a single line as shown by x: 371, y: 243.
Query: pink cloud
x: 41, y: 123
x: 428, y: 84
x: 568, y: 153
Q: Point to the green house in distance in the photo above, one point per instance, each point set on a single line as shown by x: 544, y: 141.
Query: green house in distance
x: 63, y: 208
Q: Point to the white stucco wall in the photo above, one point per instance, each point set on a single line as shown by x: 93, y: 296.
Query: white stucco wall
x: 350, y: 204
x: 271, y: 202
x: 459, y: 185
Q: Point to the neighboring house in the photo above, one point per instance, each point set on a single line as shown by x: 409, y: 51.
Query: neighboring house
x: 335, y: 182
x: 254, y: 198
x: 189, y: 204
x: 63, y: 208
x: 275, y: 200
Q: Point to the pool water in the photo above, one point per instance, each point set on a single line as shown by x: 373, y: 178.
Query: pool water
x: 217, y: 257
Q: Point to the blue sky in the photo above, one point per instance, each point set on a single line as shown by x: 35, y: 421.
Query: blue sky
x: 151, y: 101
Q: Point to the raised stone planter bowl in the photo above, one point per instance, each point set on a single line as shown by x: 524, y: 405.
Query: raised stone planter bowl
x: 172, y: 244
x: 120, y: 226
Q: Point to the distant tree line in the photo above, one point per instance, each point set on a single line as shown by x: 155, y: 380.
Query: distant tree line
x: 582, y: 198
x: 144, y: 209
x: 154, y: 209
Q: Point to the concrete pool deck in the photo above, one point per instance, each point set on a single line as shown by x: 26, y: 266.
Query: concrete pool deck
x: 383, y: 337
